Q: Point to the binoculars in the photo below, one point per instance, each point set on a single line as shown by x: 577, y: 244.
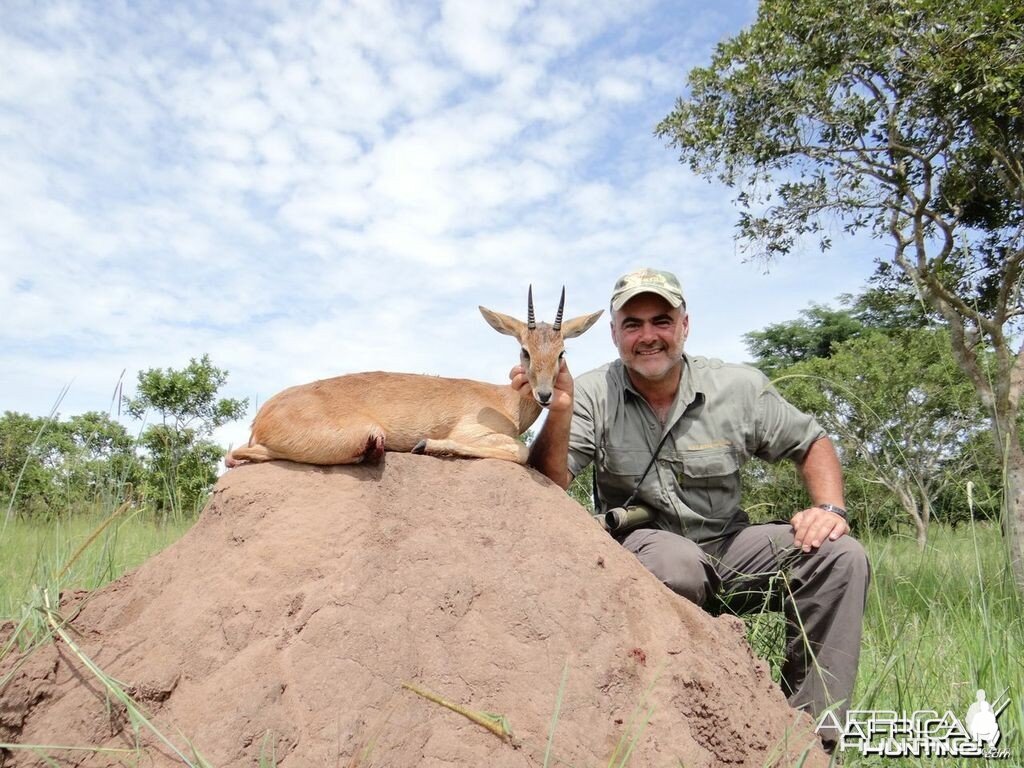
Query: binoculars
x: 622, y: 519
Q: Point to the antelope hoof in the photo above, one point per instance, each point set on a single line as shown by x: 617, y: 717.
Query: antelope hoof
x: 374, y: 449
x: 420, y: 447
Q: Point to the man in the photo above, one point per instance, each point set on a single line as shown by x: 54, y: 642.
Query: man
x: 668, y: 433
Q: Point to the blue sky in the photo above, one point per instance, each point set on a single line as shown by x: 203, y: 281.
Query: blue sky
x: 308, y: 189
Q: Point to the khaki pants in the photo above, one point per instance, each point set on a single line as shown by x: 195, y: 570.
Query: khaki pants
x: 823, y: 593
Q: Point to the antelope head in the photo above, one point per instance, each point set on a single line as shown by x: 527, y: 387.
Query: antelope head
x: 542, y: 344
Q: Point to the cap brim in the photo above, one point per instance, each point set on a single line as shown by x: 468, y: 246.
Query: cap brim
x: 673, y: 299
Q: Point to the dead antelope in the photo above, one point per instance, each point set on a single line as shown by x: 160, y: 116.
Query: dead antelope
x: 354, y: 418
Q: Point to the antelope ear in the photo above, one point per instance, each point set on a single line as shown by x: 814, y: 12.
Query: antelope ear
x: 504, y: 324
x: 579, y: 325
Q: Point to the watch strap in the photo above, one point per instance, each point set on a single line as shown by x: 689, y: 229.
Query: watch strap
x: 833, y: 508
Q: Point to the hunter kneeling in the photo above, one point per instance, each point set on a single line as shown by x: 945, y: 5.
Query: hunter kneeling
x: 668, y: 433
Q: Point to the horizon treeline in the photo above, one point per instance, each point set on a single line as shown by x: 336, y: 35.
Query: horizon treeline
x: 51, y: 466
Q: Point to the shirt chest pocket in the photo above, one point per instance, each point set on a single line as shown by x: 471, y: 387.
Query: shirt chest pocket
x: 714, y: 467
x: 619, y: 472
x: 625, y: 463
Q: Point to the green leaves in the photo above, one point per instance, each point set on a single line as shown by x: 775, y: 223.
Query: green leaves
x: 783, y: 344
x: 49, y: 467
x: 181, y: 463
x: 186, y: 398
x: 834, y: 107
x: 55, y: 465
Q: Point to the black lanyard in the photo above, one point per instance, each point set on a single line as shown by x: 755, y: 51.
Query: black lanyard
x: 697, y: 401
x: 636, y: 489
x: 654, y: 458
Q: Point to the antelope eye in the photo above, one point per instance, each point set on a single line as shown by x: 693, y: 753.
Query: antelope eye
x: 525, y: 353
x: 561, y: 354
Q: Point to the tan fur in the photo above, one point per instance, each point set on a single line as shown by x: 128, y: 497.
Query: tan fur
x: 349, y: 419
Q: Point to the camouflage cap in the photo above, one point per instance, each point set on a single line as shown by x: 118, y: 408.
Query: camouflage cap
x: 664, y: 284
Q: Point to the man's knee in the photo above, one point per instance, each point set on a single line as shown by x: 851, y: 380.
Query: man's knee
x: 850, y: 555
x: 677, y: 562
x: 688, y: 579
x: 847, y: 562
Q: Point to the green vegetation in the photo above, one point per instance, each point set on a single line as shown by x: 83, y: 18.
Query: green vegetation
x: 55, y: 468
x: 905, y: 419
x: 942, y: 623
x: 181, y: 461
x: 34, y: 553
x: 48, y: 465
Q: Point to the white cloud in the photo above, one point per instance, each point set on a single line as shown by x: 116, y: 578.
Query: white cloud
x: 35, y: 78
x: 616, y: 88
x: 476, y: 34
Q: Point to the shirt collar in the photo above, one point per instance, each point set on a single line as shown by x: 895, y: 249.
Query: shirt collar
x: 686, y: 396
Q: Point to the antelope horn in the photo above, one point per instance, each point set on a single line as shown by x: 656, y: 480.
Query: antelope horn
x: 558, y: 316
x: 531, y: 322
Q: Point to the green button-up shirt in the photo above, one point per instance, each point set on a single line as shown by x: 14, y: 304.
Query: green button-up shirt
x: 722, y: 415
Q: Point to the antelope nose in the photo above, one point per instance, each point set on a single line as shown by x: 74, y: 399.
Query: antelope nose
x: 544, y: 398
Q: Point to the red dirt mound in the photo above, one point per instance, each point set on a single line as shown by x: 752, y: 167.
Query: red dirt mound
x: 283, y: 625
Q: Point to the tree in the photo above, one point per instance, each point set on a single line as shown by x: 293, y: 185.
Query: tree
x: 104, y: 463
x: 58, y: 466
x: 890, y: 304
x: 901, y: 409
x: 181, y: 462
x: 903, y: 117
x: 781, y: 345
x: 31, y: 451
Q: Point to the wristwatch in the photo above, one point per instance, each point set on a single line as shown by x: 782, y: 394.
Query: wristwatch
x: 833, y: 508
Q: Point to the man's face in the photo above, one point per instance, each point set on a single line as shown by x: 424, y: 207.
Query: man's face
x: 649, y: 335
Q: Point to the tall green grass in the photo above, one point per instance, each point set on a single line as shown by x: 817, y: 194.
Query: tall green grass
x: 36, y: 555
x: 942, y: 623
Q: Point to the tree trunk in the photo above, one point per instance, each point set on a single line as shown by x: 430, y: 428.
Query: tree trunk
x: 909, y: 503
x: 926, y: 518
x: 1013, y: 498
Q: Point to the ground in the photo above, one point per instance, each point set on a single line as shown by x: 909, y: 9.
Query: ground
x: 287, y: 620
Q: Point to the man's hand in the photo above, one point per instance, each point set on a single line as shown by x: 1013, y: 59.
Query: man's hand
x: 550, y: 450
x: 812, y: 526
x: 823, y: 479
x: 561, y: 397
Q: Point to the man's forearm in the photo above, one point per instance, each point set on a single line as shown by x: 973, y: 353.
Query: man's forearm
x: 822, y: 473
x: 549, y: 453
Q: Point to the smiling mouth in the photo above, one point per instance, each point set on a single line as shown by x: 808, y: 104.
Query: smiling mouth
x: 649, y: 352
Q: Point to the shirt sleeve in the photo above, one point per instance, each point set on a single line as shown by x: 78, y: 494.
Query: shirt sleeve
x: 783, y: 431
x: 582, y: 433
